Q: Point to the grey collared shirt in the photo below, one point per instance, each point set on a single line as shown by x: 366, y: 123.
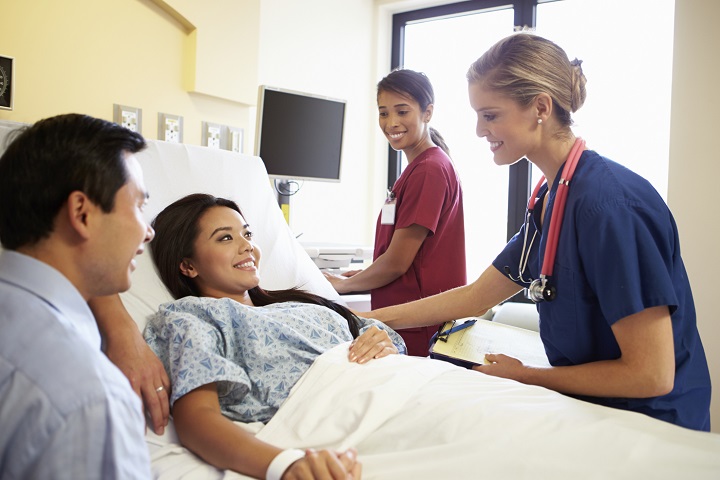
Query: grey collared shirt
x: 65, y: 410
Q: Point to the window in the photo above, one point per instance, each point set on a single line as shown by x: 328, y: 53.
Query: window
x: 626, y: 116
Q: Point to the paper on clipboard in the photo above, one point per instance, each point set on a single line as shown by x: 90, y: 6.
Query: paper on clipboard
x: 469, y: 346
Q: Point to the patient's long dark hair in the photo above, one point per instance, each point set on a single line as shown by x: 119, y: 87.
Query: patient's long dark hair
x: 176, y: 229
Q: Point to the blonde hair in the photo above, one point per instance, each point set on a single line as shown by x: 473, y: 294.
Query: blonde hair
x: 523, y: 65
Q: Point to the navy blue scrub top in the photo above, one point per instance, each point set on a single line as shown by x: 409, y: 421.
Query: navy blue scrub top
x: 618, y: 254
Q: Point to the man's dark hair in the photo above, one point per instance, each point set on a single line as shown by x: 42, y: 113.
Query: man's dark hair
x: 48, y: 161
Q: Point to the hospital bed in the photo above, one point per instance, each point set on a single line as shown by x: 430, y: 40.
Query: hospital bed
x: 409, y: 418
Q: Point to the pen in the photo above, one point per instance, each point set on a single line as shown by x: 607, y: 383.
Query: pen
x: 444, y: 335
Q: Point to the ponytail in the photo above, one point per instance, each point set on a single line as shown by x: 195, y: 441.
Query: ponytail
x: 439, y: 141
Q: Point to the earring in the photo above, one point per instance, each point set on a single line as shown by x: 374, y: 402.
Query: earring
x: 539, y: 121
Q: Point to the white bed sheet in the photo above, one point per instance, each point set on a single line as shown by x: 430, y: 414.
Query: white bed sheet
x: 416, y: 418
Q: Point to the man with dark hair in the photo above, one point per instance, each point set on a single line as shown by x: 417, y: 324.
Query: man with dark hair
x: 71, y: 221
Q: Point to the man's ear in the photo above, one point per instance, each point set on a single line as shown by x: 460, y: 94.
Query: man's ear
x: 187, y: 269
x: 80, y: 211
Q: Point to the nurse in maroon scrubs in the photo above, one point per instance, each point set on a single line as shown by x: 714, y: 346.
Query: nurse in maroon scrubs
x: 420, y: 234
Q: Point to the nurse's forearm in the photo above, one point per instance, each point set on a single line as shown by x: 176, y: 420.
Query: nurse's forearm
x: 609, y: 378
x: 389, y: 266
x: 646, y: 367
x: 491, y: 288
x: 377, y: 275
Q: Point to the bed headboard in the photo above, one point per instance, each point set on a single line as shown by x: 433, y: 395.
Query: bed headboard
x: 172, y: 171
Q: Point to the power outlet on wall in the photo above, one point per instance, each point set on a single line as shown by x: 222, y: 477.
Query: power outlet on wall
x: 211, y: 135
x: 170, y: 128
x: 128, y: 117
x: 234, y: 139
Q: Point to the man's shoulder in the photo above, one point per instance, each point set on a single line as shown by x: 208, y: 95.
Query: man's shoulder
x: 55, y: 361
x: 55, y: 387
x: 69, y: 405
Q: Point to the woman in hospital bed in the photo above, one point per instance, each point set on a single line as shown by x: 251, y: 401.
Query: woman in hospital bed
x: 233, y: 350
x: 286, y: 364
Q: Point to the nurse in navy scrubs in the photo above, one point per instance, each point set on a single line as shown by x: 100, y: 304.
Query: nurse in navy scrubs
x: 599, y: 252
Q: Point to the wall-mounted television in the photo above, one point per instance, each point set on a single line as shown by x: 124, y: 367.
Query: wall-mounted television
x: 299, y: 135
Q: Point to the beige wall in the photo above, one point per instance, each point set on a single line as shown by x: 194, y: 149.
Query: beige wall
x: 695, y: 166
x: 85, y: 55
x: 176, y: 57
x: 319, y: 47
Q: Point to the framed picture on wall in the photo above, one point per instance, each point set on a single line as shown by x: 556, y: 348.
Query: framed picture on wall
x: 7, y: 81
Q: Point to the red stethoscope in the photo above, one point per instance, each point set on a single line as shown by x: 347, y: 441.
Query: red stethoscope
x: 541, y: 289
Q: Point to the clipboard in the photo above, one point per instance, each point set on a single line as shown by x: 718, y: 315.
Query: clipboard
x: 464, y: 342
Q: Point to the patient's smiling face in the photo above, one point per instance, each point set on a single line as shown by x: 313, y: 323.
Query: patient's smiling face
x: 225, y: 259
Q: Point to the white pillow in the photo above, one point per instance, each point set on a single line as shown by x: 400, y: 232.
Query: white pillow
x: 172, y: 171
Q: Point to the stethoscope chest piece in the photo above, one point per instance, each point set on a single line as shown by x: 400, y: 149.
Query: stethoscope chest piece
x: 540, y: 290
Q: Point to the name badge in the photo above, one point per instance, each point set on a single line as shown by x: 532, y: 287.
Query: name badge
x: 387, y: 216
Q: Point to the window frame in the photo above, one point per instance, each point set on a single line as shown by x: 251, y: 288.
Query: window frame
x: 524, y: 16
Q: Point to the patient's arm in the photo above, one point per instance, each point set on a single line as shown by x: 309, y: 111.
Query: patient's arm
x: 126, y: 348
x: 387, y: 267
x: 646, y: 367
x: 203, y: 429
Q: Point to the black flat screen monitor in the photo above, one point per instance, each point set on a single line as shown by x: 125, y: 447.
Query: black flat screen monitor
x: 299, y: 135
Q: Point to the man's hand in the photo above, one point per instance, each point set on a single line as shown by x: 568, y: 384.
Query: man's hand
x: 146, y: 374
x: 126, y: 348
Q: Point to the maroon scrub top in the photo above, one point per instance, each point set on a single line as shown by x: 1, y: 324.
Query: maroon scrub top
x: 428, y: 193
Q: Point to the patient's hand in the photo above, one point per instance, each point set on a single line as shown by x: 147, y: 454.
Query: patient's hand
x: 373, y: 343
x: 325, y: 464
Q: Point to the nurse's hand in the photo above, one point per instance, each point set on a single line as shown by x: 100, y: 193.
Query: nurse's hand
x: 502, y: 366
x: 337, y: 280
x: 350, y: 273
x: 373, y: 343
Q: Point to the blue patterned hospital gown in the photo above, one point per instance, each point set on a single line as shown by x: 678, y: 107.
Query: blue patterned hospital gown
x: 254, y: 354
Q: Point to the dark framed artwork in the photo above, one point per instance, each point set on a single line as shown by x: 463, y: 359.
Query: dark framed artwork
x: 7, y: 81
